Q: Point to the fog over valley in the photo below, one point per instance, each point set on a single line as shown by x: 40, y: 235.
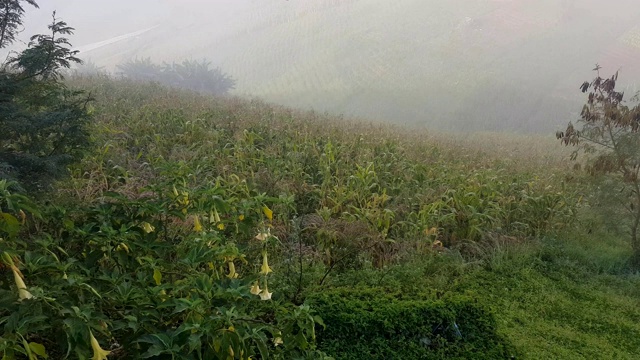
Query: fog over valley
x: 488, y: 65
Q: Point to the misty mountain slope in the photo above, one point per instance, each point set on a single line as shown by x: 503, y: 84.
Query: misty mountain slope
x: 564, y: 293
x: 473, y: 65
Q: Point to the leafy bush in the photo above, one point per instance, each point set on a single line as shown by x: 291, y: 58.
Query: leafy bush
x: 88, y: 68
x: 371, y: 324
x: 158, y: 276
x: 190, y: 75
x: 610, y: 137
x: 141, y: 70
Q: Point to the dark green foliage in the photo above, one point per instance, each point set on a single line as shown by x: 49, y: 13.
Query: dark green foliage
x: 46, y: 54
x: 43, y: 130
x: 11, y: 12
x: 149, y: 138
x: 197, y: 76
x: 371, y: 324
x: 189, y: 75
x: 146, y: 284
x: 42, y: 121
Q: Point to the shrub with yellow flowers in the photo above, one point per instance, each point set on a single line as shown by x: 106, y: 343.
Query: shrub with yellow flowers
x: 163, y: 275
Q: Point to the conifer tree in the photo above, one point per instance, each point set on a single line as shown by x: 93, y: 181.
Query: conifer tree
x: 43, y: 122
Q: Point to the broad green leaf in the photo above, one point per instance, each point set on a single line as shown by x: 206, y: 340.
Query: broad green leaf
x: 319, y: 321
x: 9, y: 224
x: 27, y: 349
x: 262, y: 348
x: 38, y: 349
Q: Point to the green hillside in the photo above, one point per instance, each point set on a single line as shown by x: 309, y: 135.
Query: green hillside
x: 556, y: 291
x: 159, y: 213
x: 461, y: 247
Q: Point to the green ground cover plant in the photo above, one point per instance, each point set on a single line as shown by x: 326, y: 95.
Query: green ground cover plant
x: 375, y: 323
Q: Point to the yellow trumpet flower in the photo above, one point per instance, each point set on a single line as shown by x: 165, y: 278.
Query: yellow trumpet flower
x: 232, y: 270
x: 263, y: 235
x: 148, y: 228
x: 255, y: 288
x: 265, y: 294
x: 265, y: 269
x: 123, y: 246
x: 98, y: 352
x: 267, y: 212
x: 23, y: 293
x: 197, y: 226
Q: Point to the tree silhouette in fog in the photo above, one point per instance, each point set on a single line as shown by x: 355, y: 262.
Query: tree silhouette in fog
x: 192, y: 75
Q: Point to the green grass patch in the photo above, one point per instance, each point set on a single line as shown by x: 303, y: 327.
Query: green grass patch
x: 373, y: 323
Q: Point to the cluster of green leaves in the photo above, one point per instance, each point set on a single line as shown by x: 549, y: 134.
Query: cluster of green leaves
x: 12, y: 208
x: 190, y: 74
x: 161, y: 275
x: 370, y: 323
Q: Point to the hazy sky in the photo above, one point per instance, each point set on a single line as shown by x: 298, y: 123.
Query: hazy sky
x: 450, y: 64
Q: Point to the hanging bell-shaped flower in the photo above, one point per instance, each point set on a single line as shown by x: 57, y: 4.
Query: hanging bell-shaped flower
x: 197, y: 226
x: 98, y: 352
x: 265, y: 269
x: 23, y: 293
x: 265, y: 294
x: 255, y: 288
x: 232, y: 270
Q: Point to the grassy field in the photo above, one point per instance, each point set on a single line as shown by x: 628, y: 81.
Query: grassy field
x: 496, y: 217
